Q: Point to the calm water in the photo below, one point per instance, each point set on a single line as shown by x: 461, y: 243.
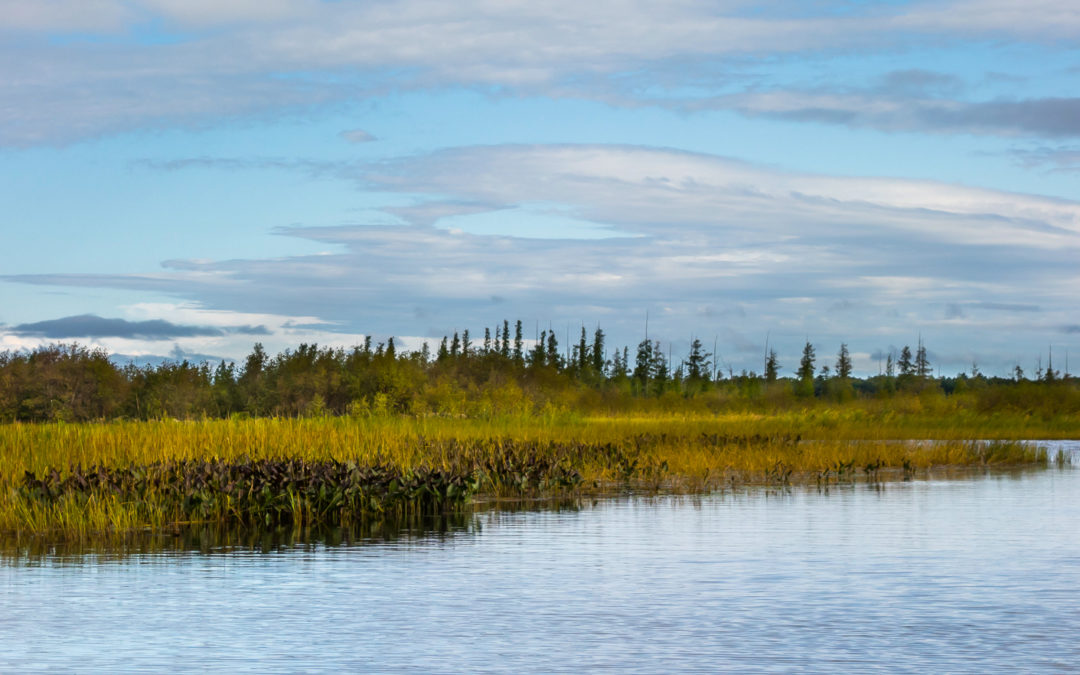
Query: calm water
x: 973, y: 575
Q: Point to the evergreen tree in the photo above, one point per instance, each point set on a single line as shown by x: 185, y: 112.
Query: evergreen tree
x: 661, y: 370
x: 552, y: 350
x: 907, y: 366
x: 806, y: 363
x: 1051, y: 374
x: 390, y: 351
x: 582, y: 352
x: 643, y: 364
x: 922, y: 363
x: 519, y: 343
x: 443, y: 353
x: 843, y: 362
x: 598, y: 351
x: 890, y: 366
x: 487, y: 340
x: 538, y: 355
x: 455, y: 346
x: 505, y: 348
x: 466, y: 343
x: 772, y: 367
x: 697, y: 363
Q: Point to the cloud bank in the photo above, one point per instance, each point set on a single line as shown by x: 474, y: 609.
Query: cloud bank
x: 76, y: 68
x: 703, y: 243
x: 92, y: 326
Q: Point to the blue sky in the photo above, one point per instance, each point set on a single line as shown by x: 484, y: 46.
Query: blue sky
x: 187, y: 176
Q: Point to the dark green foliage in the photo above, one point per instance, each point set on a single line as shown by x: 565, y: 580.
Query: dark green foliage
x: 907, y: 367
x: 843, y: 363
x: 552, y: 349
x: 806, y: 364
x: 597, y: 354
x: 805, y: 374
x: 519, y: 343
x: 772, y: 367
x: 697, y: 364
x: 922, y: 363
x: 267, y: 491
x: 72, y: 383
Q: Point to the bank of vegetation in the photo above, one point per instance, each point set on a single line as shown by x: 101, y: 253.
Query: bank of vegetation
x: 327, y: 436
x: 497, y: 376
x: 78, y: 479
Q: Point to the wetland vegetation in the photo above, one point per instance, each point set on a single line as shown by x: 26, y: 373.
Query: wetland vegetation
x: 325, y: 437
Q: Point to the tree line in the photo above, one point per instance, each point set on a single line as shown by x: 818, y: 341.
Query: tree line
x: 498, y: 373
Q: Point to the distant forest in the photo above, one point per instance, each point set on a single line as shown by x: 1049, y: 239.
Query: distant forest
x: 498, y: 374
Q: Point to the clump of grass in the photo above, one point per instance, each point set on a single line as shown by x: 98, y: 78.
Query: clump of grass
x: 265, y: 491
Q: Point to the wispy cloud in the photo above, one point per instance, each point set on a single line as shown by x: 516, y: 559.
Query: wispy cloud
x: 893, y: 111
x: 357, y: 136
x: 1058, y: 159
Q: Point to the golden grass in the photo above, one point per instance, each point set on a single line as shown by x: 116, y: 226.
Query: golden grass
x: 674, y: 452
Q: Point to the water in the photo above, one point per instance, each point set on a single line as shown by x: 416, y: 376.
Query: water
x: 973, y: 575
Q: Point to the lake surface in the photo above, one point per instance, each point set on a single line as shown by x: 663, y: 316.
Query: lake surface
x: 980, y: 574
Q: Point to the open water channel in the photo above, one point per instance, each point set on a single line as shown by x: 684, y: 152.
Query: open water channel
x: 977, y: 574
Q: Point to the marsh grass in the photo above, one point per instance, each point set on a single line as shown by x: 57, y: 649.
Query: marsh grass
x: 79, y: 480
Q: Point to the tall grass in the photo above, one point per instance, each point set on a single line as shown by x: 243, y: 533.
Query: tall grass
x: 495, y: 457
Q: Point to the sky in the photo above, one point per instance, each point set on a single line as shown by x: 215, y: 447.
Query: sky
x: 183, y: 178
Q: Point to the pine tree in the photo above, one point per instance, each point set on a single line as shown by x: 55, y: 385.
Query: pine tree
x: 487, y: 340
x: 806, y: 363
x: 466, y: 343
x: 597, y: 354
x: 643, y: 364
x: 661, y: 370
x: 922, y: 363
x: 537, y: 356
x: 772, y: 367
x: 455, y: 346
x: 552, y: 350
x: 443, y: 353
x: 843, y: 362
x: 1051, y: 374
x: 907, y: 367
x: 697, y: 363
x: 519, y: 343
x: 390, y: 351
x: 582, y: 352
x: 505, y: 348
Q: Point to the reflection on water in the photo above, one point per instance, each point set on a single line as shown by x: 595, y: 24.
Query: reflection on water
x: 978, y: 574
x: 211, y: 539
